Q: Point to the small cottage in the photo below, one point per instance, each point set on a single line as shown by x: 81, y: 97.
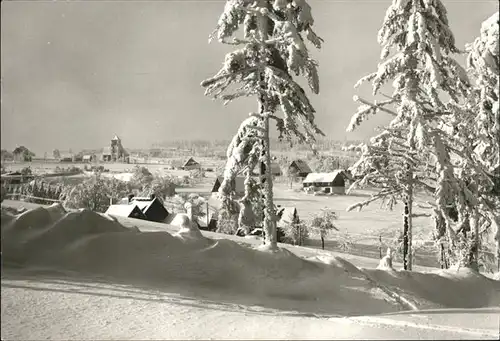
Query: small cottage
x: 275, y: 169
x: 125, y: 211
x: 89, y: 158
x: 238, y: 185
x: 106, y: 154
x: 299, y: 167
x: 191, y: 164
x: 333, y: 182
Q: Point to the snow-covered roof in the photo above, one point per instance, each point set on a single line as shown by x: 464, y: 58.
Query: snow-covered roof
x: 239, y: 184
x: 121, y: 210
x: 302, y: 166
x: 322, y: 177
x: 106, y: 151
x: 143, y: 205
x: 191, y: 161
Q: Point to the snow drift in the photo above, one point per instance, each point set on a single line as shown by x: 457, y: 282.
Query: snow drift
x: 93, y: 244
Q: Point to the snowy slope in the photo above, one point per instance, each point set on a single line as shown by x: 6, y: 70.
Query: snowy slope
x: 100, y: 311
x: 91, y: 252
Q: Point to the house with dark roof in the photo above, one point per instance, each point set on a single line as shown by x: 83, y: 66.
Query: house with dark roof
x: 191, y: 164
x: 238, y: 185
x: 299, y: 167
x: 333, y: 182
x: 153, y: 208
x: 125, y: 211
x: 275, y: 169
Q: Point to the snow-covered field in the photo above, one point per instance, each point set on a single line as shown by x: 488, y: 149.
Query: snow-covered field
x: 84, y: 275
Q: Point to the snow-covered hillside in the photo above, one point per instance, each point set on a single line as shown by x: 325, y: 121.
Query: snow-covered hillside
x: 103, y: 280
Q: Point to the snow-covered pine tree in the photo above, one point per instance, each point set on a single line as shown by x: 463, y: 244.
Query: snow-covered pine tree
x: 272, y: 49
x: 416, y: 51
x: 484, y: 64
x: 479, y: 132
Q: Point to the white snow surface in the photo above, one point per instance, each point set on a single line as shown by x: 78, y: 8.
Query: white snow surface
x: 102, y: 280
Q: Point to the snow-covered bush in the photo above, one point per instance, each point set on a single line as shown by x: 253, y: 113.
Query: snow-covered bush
x: 295, y: 233
x: 160, y: 186
x: 323, y: 224
x: 92, y: 194
x: 227, y: 222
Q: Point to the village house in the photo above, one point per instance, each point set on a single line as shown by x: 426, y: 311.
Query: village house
x: 300, y: 168
x: 238, y: 185
x: 89, y: 158
x: 152, y: 207
x: 333, y: 182
x: 106, y: 155
x: 275, y: 169
x: 66, y: 157
x: 191, y: 164
x: 125, y: 211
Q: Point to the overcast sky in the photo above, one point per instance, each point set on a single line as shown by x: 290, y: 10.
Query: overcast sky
x: 75, y: 73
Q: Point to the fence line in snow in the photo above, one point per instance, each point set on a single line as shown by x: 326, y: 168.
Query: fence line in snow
x: 32, y: 197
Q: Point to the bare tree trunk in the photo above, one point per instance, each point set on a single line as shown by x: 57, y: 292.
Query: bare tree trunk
x: 270, y: 214
x: 322, y: 243
x: 405, y: 237
x: 475, y: 247
x: 380, y: 246
x: 410, y: 222
x: 208, y: 219
x: 269, y: 230
x: 407, y: 227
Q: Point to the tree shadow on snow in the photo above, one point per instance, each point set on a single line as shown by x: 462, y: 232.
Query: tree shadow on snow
x: 275, y: 304
x: 53, y: 281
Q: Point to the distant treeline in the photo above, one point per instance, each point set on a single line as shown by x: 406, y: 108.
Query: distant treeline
x: 217, y: 148
x: 321, y: 144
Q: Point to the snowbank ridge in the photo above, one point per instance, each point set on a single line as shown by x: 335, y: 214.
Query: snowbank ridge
x: 91, y: 244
